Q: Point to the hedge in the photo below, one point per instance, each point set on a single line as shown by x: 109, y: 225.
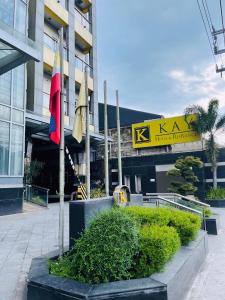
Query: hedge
x: 186, y: 224
x: 157, y: 246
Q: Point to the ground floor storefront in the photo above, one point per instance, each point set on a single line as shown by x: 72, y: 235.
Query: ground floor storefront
x: 148, y: 173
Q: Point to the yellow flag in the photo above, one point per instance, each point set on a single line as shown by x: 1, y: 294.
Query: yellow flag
x: 79, y: 126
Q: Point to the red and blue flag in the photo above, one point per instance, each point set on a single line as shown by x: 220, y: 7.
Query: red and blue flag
x: 54, y: 105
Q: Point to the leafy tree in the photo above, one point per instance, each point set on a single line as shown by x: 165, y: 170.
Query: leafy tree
x: 184, y: 170
x: 207, y: 124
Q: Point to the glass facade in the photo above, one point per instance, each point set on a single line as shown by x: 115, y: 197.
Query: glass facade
x: 12, y: 98
x: 13, y: 13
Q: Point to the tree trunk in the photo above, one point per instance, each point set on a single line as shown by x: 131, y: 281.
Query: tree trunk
x: 214, y: 177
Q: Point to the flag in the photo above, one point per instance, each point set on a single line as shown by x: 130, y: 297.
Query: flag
x: 54, y: 105
x: 79, y: 126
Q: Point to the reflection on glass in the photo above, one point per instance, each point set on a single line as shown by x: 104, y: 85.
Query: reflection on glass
x: 20, y: 16
x: 4, y: 112
x: 16, y: 166
x: 5, y: 88
x: 7, y: 12
x: 4, y: 148
x: 18, y: 87
x: 17, y: 116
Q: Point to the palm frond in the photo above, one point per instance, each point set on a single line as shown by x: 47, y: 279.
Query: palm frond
x: 220, y: 123
x: 212, y: 113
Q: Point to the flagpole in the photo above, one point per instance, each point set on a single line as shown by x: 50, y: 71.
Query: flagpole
x: 87, y: 144
x: 118, y: 139
x: 106, y: 141
x: 62, y: 152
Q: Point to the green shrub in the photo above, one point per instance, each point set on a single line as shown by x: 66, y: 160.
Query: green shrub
x: 105, y: 251
x: 214, y: 194
x: 207, y: 212
x: 186, y: 224
x: 149, y: 216
x: 157, y: 246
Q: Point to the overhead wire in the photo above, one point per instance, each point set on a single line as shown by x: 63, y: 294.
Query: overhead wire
x: 207, y: 34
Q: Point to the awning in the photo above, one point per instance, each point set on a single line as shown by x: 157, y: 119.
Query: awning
x: 15, y: 49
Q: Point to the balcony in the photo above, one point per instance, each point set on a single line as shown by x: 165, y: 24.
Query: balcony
x: 48, y: 59
x: 55, y: 10
x: 80, y: 64
x: 84, y: 5
x: 52, y: 44
x: 83, y: 29
x: 83, y: 20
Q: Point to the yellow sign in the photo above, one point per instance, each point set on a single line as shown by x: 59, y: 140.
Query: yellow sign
x: 164, y: 132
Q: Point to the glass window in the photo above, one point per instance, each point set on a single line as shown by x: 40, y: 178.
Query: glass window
x: 20, y: 24
x: 18, y: 87
x: 7, y: 11
x: 4, y: 148
x: 17, y: 116
x: 4, y: 112
x: 5, y: 88
x: 16, y: 166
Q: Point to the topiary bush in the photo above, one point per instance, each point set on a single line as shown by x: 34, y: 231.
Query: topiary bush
x: 158, y: 244
x: 186, y: 224
x: 106, y: 249
x: 149, y: 216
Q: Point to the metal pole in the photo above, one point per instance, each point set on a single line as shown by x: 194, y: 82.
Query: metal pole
x: 118, y: 139
x: 61, y: 154
x: 106, y: 141
x: 87, y: 144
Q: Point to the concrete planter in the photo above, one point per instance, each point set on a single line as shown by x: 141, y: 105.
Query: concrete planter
x: 83, y: 211
x: 216, y: 203
x: 172, y: 284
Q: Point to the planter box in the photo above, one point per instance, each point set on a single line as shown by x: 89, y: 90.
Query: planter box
x: 81, y: 212
x: 212, y: 224
x: 172, y: 284
x: 216, y: 203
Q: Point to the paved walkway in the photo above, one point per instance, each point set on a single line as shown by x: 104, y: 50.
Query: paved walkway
x: 35, y: 232
x: 210, y: 282
x: 22, y: 237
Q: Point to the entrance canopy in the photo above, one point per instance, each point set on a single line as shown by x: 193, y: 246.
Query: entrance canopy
x: 15, y: 49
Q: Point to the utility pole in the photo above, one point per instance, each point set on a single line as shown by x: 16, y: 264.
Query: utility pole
x: 118, y: 139
x: 61, y: 152
x: 106, y: 141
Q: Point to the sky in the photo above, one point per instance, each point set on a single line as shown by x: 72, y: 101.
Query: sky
x: 157, y: 55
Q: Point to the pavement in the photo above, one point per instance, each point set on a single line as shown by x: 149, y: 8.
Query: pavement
x: 22, y: 237
x: 35, y: 232
x: 210, y: 281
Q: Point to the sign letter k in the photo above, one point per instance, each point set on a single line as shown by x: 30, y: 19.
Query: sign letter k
x: 140, y: 136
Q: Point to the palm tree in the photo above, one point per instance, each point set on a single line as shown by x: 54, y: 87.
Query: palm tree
x: 207, y: 124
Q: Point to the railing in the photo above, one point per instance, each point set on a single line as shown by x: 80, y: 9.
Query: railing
x: 81, y: 64
x: 159, y: 200
x: 178, y: 201
x: 36, y: 194
x: 51, y: 43
x: 85, y: 23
